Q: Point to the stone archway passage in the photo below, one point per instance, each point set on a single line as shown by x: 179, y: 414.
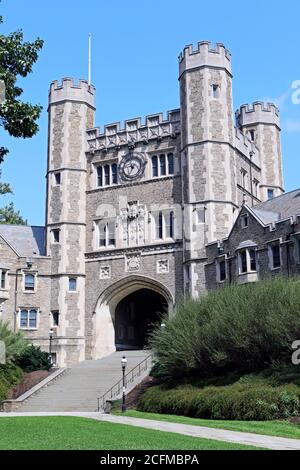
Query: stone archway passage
x: 135, y: 317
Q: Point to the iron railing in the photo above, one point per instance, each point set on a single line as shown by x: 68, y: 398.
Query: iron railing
x: 116, y: 389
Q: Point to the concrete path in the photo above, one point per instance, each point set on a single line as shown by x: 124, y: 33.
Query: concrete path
x: 79, y: 388
x: 255, y: 440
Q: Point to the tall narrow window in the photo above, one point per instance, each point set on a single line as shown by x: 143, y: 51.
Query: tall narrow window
x: 32, y: 318
x: 222, y: 270
x: 270, y: 193
x: 111, y: 233
x: 252, y: 135
x: 170, y: 164
x: 107, y: 175
x: 99, y: 176
x: 3, y: 279
x: 252, y: 255
x: 276, y: 260
x: 114, y: 173
x: 243, y: 261
x: 57, y: 178
x: 29, y: 282
x: 169, y: 223
x: 56, y: 234
x: 102, y: 235
x: 72, y: 284
x: 55, y: 318
x: 159, y: 226
x: 215, y: 90
x: 154, y: 166
x: 162, y: 163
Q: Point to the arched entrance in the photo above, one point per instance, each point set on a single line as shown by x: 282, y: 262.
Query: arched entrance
x: 125, y: 313
x: 135, y: 317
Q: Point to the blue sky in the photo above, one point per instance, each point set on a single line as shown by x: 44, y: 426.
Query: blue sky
x: 135, y: 49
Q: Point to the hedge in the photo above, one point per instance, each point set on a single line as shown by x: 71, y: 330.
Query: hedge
x: 10, y: 375
x: 233, y: 402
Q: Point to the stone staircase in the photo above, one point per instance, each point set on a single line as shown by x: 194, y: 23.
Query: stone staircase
x: 79, y: 388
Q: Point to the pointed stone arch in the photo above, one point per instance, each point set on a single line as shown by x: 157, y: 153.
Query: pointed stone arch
x: 104, y: 312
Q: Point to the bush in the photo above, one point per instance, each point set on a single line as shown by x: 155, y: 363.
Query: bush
x: 15, y: 342
x: 234, y: 329
x: 10, y: 375
x: 33, y: 358
x: 232, y: 402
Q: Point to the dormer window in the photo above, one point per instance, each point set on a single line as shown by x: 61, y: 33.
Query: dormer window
x: 244, y: 221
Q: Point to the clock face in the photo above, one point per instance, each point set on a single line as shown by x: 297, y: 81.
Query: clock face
x: 132, y: 167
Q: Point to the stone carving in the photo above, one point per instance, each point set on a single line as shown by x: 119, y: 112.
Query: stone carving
x: 133, y: 262
x: 162, y: 266
x: 133, y: 224
x: 105, y: 272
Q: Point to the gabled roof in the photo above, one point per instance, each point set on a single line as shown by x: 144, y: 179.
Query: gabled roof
x: 279, y: 208
x: 26, y: 241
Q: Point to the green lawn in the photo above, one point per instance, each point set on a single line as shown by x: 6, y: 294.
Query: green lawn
x: 60, y: 433
x: 270, y: 428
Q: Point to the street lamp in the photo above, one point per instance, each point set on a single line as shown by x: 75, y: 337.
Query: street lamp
x: 124, y: 364
x: 50, y: 344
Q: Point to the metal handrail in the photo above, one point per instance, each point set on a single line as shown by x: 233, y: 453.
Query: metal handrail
x: 116, y: 389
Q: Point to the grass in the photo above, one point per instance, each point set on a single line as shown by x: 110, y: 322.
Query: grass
x: 69, y: 433
x: 269, y: 428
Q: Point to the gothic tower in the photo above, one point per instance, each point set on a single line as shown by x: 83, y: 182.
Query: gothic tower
x: 207, y: 154
x: 71, y: 112
x: 260, y: 122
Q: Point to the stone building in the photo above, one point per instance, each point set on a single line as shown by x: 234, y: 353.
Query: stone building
x: 133, y: 210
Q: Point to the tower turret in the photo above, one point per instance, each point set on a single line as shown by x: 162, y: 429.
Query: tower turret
x: 208, y: 158
x: 71, y: 112
x: 260, y: 121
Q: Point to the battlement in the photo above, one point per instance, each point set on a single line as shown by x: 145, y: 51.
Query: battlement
x: 135, y: 130
x: 258, y: 112
x: 69, y: 90
x: 204, y: 54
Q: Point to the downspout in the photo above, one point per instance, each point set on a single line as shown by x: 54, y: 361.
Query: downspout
x: 16, y: 299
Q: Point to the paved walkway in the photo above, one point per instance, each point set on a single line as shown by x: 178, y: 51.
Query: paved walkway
x: 256, y: 440
x: 79, y: 388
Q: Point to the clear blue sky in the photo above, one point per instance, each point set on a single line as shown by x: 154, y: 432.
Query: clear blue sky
x: 135, y: 49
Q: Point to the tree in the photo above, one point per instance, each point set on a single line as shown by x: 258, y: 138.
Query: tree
x: 15, y: 343
x: 18, y: 118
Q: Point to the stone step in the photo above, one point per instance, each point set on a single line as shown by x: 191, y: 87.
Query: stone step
x: 80, y: 387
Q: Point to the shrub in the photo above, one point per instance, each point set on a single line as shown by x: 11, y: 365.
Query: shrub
x: 33, y: 358
x: 15, y: 342
x: 232, y: 402
x: 234, y: 329
x: 10, y: 375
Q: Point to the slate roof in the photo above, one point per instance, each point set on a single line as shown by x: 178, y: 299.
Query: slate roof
x: 279, y: 208
x: 25, y: 240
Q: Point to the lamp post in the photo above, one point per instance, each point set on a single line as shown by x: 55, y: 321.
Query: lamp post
x: 124, y: 364
x: 50, y: 344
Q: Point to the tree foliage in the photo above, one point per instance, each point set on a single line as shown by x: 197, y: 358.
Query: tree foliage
x: 15, y: 342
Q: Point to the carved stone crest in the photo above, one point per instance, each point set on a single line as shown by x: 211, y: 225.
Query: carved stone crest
x: 133, y: 262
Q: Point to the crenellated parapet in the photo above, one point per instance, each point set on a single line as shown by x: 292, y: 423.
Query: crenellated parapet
x: 257, y: 113
x: 69, y: 90
x: 134, y: 131
x: 204, y: 54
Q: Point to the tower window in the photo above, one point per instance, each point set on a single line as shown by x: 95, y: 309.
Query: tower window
x: 29, y: 282
x: 164, y: 225
x: 154, y: 166
x: 270, y: 193
x: 55, y: 318
x: 57, y: 178
x: 107, y: 175
x: 162, y: 165
x: 107, y: 235
x: 72, y: 284
x: 56, y: 235
x: 215, y: 91
x: 243, y: 178
x: 252, y: 135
